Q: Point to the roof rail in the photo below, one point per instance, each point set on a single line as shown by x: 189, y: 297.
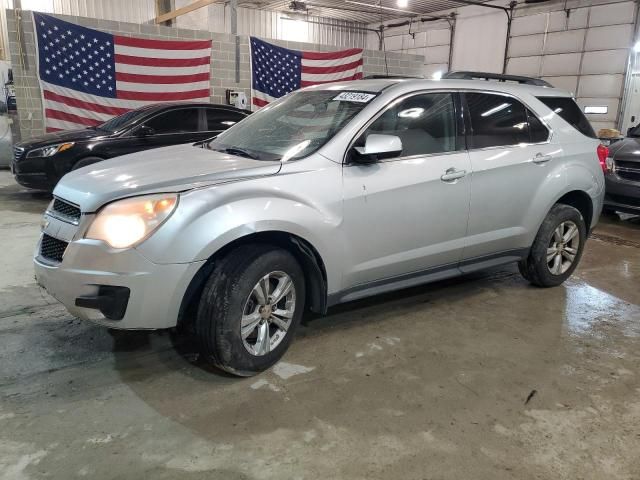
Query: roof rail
x: 495, y: 76
x: 381, y: 77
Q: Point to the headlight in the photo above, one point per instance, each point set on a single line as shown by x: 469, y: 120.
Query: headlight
x: 126, y: 222
x: 51, y: 150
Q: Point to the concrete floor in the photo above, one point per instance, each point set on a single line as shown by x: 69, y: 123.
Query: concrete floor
x: 428, y: 383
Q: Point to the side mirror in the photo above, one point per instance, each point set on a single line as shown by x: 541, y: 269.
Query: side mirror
x: 378, y: 147
x: 144, y: 131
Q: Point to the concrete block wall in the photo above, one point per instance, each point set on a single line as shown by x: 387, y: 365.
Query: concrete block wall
x: 28, y: 95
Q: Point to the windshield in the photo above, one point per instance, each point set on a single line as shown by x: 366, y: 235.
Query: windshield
x: 294, y: 127
x: 116, y: 123
x: 634, y: 131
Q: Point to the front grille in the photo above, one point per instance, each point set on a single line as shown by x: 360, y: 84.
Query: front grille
x: 628, y: 170
x: 52, y: 248
x: 66, y: 209
x: 18, y: 152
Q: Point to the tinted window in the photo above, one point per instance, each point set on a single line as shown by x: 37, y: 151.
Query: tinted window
x: 175, y: 121
x: 426, y: 124
x: 496, y: 120
x: 569, y: 110
x: 116, y: 123
x: 537, y: 131
x: 221, y: 119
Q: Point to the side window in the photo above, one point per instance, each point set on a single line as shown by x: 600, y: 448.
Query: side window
x: 496, y: 120
x: 570, y: 112
x: 175, y: 121
x: 425, y: 123
x: 537, y: 131
x: 221, y: 119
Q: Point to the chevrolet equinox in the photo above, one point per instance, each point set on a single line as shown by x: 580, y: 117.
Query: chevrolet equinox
x: 330, y: 194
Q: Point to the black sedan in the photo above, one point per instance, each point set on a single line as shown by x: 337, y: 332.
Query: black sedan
x: 40, y: 162
x: 623, y: 177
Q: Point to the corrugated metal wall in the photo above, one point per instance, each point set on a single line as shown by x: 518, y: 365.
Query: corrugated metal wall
x: 276, y: 25
x: 585, y: 51
x: 134, y: 11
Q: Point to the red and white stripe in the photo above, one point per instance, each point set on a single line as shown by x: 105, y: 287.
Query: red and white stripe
x: 146, y: 71
x: 329, y: 67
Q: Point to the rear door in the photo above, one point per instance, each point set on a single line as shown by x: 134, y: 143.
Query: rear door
x: 407, y: 215
x: 511, y: 154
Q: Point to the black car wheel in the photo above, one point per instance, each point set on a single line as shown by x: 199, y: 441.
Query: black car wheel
x: 557, y: 248
x: 250, y: 308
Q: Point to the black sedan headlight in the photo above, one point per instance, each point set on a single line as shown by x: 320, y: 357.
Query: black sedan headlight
x: 50, y: 150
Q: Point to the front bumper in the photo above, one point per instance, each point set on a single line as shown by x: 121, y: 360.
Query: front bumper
x: 156, y: 290
x: 622, y: 194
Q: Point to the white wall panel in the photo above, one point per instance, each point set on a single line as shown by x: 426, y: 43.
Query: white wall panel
x: 429, y: 70
x: 480, y: 40
x: 558, y: 65
x: 609, y: 38
x: 529, y: 25
x: 600, y: 86
x: 570, y: 84
x: 526, y: 46
x: 438, y: 54
x: 608, y: 61
x: 440, y: 36
x: 527, y: 66
x: 612, y: 14
x: 563, y: 42
x: 611, y: 103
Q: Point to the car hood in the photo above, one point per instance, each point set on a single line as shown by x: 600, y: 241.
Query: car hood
x: 60, y: 137
x: 162, y: 170
x: 627, y: 150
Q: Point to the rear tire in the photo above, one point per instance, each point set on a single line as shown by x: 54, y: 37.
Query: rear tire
x: 250, y: 308
x: 557, y: 248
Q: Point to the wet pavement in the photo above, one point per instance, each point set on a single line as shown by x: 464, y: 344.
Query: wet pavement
x: 482, y: 377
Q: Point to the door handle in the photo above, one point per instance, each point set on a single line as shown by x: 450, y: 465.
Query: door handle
x: 540, y: 158
x: 451, y: 175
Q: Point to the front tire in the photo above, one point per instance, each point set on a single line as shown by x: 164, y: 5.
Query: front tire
x: 250, y: 308
x: 557, y: 248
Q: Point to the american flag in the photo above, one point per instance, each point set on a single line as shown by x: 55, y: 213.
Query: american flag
x: 276, y: 71
x: 88, y: 76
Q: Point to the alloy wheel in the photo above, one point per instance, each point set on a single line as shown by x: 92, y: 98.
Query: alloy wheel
x: 563, y: 247
x: 268, y: 313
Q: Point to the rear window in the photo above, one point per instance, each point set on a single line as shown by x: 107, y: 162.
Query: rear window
x: 570, y: 112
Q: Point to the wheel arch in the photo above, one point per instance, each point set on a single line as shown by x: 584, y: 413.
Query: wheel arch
x: 304, y: 252
x: 581, y: 201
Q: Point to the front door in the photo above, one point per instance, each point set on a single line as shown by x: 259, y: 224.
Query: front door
x: 406, y: 215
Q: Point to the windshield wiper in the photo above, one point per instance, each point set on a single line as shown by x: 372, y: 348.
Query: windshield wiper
x: 238, y: 151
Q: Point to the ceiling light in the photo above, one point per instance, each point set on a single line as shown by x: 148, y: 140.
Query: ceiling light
x: 403, y: 3
x: 636, y: 47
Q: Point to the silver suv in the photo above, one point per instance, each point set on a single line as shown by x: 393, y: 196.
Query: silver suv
x: 331, y: 194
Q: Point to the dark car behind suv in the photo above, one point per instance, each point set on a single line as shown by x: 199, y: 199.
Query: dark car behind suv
x: 40, y: 162
x: 623, y: 175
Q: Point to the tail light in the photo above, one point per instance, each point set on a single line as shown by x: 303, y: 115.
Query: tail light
x: 603, y: 154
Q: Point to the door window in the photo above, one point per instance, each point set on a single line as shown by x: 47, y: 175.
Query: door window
x: 221, y: 119
x: 426, y: 124
x: 175, y: 121
x: 537, y: 131
x: 496, y: 120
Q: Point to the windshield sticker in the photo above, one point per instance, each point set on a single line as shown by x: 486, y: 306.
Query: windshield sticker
x: 359, y: 97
